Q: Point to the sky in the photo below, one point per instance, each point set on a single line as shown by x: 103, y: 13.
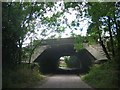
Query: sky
x: 66, y: 34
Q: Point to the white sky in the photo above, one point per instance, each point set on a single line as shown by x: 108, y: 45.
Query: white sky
x: 71, y: 17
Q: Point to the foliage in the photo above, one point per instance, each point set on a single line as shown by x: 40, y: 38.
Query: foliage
x: 73, y: 62
x: 62, y: 64
x: 102, y: 9
x: 92, y: 34
x: 19, y: 23
x: 21, y: 77
x: 35, y: 66
x: 103, y: 76
x: 104, y: 16
x: 92, y: 40
x: 78, y: 43
x: 16, y: 23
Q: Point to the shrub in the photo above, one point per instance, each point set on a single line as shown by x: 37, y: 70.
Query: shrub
x: 22, y: 76
x: 103, y: 76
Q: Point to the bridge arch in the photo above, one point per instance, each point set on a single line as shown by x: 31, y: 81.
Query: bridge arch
x: 49, y: 58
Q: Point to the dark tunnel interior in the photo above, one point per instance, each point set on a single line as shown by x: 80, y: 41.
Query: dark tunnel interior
x: 49, y: 59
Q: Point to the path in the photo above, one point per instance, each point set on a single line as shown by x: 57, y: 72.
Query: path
x: 63, y: 81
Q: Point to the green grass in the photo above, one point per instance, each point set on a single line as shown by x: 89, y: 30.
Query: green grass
x: 21, y: 77
x: 102, y: 76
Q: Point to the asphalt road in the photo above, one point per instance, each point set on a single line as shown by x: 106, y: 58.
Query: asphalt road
x: 63, y: 81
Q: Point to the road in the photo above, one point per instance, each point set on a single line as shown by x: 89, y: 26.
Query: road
x: 63, y: 81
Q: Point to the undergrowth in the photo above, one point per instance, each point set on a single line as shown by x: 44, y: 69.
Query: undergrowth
x: 103, y: 75
x: 22, y: 76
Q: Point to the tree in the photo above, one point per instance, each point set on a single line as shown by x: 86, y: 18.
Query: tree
x: 102, y: 15
x: 73, y: 62
x: 17, y: 22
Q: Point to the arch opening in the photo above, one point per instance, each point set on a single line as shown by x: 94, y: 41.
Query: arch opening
x: 69, y: 65
x: 62, y: 63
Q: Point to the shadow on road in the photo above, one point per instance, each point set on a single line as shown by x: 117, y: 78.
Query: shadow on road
x: 68, y: 71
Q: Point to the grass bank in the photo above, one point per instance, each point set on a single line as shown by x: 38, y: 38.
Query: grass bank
x: 103, y: 75
x: 20, y: 77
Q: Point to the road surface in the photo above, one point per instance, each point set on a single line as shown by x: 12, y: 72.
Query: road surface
x: 63, y: 81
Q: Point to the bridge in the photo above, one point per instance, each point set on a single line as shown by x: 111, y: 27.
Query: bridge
x: 50, y: 51
x: 51, y: 43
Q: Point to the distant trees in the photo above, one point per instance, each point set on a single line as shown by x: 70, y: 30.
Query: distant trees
x: 73, y: 62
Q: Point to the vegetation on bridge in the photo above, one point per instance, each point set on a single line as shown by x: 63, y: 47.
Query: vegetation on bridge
x: 20, y: 22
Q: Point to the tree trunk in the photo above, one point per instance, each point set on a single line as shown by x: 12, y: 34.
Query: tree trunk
x: 111, y: 37
x: 101, y: 42
x: 118, y: 39
x: 36, y: 47
x: 20, y: 53
x: 33, y: 51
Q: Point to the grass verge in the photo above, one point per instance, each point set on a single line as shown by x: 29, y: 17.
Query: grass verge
x: 21, y: 77
x: 103, y: 75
